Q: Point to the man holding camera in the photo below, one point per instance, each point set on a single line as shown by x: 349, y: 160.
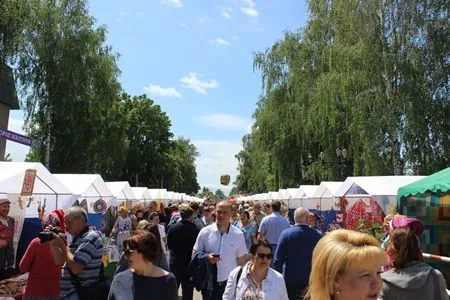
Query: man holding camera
x: 225, y: 245
x: 83, y: 257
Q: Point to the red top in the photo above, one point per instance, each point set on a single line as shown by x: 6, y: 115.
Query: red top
x: 44, y: 277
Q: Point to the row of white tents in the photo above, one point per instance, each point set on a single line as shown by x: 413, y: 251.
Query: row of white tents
x: 326, y: 195
x: 63, y: 190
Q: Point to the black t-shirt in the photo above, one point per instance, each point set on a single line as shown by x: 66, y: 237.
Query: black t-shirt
x: 131, y: 286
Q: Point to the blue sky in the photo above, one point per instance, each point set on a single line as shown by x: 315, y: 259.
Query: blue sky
x: 194, y: 58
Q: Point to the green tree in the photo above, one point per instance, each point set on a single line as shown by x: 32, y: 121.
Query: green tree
x: 219, y: 195
x: 183, y: 174
x: 371, y: 77
x: 68, y: 80
x: 148, y: 134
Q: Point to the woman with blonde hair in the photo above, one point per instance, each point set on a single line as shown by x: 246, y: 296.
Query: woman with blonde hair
x: 346, y: 265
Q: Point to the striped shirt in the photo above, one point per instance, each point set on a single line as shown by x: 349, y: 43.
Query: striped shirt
x: 272, y: 226
x: 87, y: 249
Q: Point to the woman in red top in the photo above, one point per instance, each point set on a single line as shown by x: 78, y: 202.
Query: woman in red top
x: 42, y: 264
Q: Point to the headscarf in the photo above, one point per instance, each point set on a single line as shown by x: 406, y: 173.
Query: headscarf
x: 403, y: 221
x: 55, y: 219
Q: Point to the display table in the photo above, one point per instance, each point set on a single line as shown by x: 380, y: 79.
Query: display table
x: 13, y: 288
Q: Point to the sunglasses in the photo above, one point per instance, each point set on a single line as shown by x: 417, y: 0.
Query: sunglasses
x: 262, y: 255
x: 128, y: 252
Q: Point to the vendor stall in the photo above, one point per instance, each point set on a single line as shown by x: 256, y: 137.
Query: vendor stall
x: 90, y: 189
x: 428, y: 200
x: 142, y: 194
x: 122, y: 193
x: 368, y: 198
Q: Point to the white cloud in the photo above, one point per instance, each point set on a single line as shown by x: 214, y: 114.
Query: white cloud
x: 225, y: 121
x: 217, y: 158
x: 17, y: 151
x: 185, y: 25
x: 226, y: 13
x: 220, y: 41
x: 192, y: 81
x: 173, y: 3
x: 139, y: 14
x: 250, y: 11
x: 158, y: 90
x: 249, y: 8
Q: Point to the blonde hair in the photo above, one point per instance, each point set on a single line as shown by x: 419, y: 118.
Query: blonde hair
x: 338, y: 251
x: 142, y: 225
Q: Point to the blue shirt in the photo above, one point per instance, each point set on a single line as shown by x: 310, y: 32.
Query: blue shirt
x: 272, y: 226
x: 294, y: 251
x: 248, y: 231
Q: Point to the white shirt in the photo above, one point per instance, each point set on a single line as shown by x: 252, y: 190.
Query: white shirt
x: 230, y: 245
x: 273, y: 287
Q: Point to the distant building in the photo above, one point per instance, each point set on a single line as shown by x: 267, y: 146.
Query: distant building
x: 8, y: 101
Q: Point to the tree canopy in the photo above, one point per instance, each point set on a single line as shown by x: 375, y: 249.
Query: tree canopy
x: 370, y: 77
x: 75, y: 106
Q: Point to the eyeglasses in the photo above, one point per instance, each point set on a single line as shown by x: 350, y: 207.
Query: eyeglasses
x: 262, y: 255
x: 128, y: 252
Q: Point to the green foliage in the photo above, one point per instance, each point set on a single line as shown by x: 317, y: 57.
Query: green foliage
x: 219, y: 195
x: 75, y: 106
x: 371, y: 77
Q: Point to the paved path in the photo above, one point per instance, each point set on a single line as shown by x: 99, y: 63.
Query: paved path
x: 197, y: 295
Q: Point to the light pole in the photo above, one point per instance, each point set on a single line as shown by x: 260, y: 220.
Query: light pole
x: 342, y: 157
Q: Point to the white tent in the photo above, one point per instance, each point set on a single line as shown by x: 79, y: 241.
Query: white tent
x: 283, y: 194
x: 324, y: 197
x: 381, y: 188
x: 141, y: 193
x: 87, y: 186
x: 295, y: 195
x: 303, y: 196
x: 46, y: 186
x: 121, y: 191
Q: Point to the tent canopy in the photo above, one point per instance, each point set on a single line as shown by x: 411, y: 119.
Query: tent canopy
x: 121, y: 190
x: 374, y: 185
x: 12, y: 175
x: 295, y: 193
x: 436, y: 183
x: 47, y: 188
x: 141, y: 193
x: 308, y: 190
x: 86, y: 185
x: 327, y: 189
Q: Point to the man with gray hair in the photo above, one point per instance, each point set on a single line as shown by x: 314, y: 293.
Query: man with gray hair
x: 294, y: 252
x: 83, y: 257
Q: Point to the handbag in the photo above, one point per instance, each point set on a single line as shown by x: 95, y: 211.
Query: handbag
x: 95, y: 291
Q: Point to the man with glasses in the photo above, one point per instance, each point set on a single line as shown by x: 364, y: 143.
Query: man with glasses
x: 83, y: 257
x: 225, y: 246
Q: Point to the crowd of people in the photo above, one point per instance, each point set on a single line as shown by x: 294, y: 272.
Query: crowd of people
x: 225, y: 250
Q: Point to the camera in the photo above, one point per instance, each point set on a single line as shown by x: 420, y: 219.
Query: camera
x: 46, y: 236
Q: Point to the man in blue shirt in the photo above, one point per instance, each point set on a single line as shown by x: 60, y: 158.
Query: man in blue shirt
x: 272, y: 225
x: 294, y: 252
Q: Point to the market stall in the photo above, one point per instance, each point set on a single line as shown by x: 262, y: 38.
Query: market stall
x: 41, y: 191
x: 368, y: 198
x: 428, y: 200
x: 142, y: 194
x: 92, y: 193
x: 122, y: 193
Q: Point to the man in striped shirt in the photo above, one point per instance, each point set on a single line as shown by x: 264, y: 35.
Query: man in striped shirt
x: 84, y: 255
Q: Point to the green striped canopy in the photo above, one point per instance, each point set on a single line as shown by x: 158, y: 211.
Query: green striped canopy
x: 436, y: 183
